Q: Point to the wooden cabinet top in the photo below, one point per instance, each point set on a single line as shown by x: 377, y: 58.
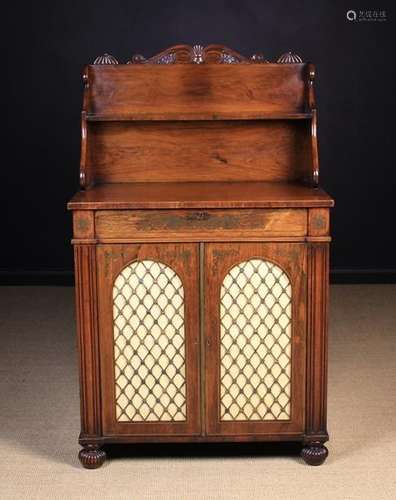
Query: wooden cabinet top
x: 199, y: 127
x: 159, y: 195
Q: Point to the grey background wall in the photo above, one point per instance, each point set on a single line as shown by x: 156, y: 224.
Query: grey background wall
x: 47, y: 44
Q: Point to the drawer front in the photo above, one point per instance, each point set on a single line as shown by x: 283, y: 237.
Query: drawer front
x: 215, y: 225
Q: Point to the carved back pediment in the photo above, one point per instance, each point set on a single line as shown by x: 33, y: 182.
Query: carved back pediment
x: 198, y: 54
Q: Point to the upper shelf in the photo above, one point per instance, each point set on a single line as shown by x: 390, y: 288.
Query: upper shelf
x: 157, y: 195
x: 196, y: 92
x: 197, y: 115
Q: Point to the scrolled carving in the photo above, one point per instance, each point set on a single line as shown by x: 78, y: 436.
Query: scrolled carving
x: 167, y: 58
x: 106, y: 59
x: 259, y: 58
x: 197, y: 54
x: 222, y: 55
x: 228, y: 58
x: 311, y: 79
x: 289, y: 58
x: 137, y: 59
x: 315, y: 154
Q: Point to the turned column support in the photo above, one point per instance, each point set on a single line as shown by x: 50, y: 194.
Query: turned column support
x: 314, y: 452
x: 87, y: 326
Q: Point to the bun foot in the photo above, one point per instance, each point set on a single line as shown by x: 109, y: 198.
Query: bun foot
x: 92, y: 457
x: 314, y: 454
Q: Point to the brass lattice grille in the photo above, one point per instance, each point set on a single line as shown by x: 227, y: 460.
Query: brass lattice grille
x: 255, y: 336
x: 149, y: 343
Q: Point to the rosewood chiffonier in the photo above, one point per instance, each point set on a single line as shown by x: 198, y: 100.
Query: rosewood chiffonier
x: 201, y: 242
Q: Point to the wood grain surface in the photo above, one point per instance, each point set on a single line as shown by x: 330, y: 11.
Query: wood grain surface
x: 162, y: 89
x: 161, y: 195
x: 201, y: 225
x: 274, y: 150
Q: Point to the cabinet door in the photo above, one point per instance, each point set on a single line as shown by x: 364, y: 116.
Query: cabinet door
x: 149, y: 338
x: 255, y: 328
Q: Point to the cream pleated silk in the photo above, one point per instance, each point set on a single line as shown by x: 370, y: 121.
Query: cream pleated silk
x: 149, y: 344
x: 255, y: 337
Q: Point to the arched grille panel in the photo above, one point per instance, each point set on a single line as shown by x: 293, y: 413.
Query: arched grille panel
x: 149, y: 344
x: 255, y: 342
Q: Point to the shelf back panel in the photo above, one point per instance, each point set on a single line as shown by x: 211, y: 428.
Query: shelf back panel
x: 139, y: 89
x: 174, y: 151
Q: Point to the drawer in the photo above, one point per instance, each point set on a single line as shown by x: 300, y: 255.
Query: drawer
x: 195, y: 225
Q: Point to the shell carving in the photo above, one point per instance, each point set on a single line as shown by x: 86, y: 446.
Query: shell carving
x: 106, y: 59
x: 289, y: 58
x: 198, y: 54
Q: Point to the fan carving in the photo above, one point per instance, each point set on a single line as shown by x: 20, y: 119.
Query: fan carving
x: 106, y: 59
x: 289, y: 58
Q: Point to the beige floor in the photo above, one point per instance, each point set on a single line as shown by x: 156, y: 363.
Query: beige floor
x: 39, y: 420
